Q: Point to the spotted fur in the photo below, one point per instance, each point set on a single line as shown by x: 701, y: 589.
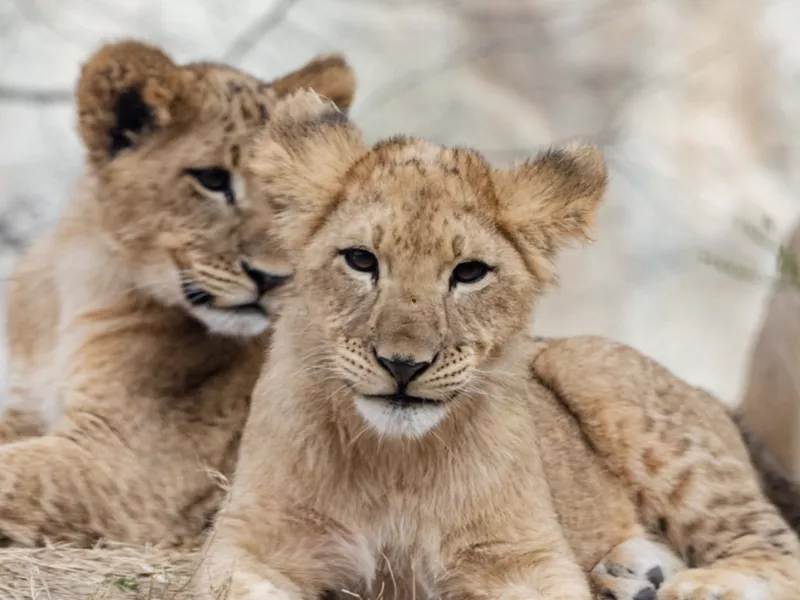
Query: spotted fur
x: 686, y: 465
x: 137, y: 327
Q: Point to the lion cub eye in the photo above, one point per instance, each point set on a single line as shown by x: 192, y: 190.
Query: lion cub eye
x: 360, y: 260
x: 471, y: 271
x: 214, y: 179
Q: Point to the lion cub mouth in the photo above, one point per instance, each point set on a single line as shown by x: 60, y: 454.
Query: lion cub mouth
x: 252, y: 308
x: 403, y: 400
x: 198, y: 297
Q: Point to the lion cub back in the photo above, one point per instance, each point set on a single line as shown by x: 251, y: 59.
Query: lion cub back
x: 31, y: 329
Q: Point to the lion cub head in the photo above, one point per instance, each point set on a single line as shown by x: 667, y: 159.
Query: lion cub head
x: 165, y: 145
x: 417, y: 264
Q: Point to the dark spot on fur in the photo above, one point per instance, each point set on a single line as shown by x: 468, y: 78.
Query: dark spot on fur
x: 263, y: 113
x: 691, y: 556
x: 656, y: 577
x: 681, y: 488
x: 732, y: 499
x: 235, y: 155
x: 740, y: 535
x: 663, y: 526
x: 653, y: 463
x: 645, y: 594
x: 416, y: 163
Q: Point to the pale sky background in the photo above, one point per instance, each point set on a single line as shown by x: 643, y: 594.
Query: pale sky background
x: 695, y: 104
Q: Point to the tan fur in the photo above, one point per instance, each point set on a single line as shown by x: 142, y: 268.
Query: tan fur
x: 124, y: 393
x: 682, y: 456
x: 488, y: 488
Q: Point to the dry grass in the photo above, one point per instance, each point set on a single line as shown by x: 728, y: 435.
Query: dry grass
x: 111, y: 572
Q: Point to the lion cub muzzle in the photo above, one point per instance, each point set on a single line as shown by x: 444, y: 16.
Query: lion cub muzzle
x: 404, y: 370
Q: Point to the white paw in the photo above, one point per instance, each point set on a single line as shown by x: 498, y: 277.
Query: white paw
x: 252, y: 587
x: 634, y: 570
x: 714, y: 584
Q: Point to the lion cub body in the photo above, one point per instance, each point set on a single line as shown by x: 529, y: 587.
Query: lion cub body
x: 320, y: 502
x: 400, y: 427
x: 137, y: 328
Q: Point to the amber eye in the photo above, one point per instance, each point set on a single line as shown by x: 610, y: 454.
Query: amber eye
x: 214, y: 179
x: 361, y: 260
x: 471, y: 271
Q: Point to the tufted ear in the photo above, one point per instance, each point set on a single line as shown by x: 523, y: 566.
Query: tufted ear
x: 550, y: 201
x: 328, y: 75
x: 298, y: 163
x: 127, y: 90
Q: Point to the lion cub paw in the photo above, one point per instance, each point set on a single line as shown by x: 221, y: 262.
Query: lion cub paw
x: 247, y: 586
x: 714, y: 584
x: 634, y: 570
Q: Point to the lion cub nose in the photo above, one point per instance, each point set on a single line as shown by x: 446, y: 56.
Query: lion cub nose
x: 403, y: 370
x: 265, y: 282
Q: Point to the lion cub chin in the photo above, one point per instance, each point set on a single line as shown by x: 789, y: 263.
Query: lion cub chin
x: 397, y: 425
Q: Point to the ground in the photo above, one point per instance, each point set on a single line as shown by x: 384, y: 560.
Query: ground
x: 108, y: 573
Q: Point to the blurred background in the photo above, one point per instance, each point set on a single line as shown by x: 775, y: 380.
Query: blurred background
x: 694, y: 102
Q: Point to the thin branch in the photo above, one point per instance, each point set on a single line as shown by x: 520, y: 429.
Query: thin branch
x: 252, y: 35
x: 13, y: 94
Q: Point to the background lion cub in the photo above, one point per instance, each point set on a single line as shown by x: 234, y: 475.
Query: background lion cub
x: 398, y: 418
x: 136, y: 329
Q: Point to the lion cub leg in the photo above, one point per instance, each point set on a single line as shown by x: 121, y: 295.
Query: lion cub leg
x: 685, y: 462
x: 525, y: 564
x: 268, y: 547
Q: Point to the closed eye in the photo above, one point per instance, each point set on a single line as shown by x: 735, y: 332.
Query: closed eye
x: 216, y: 180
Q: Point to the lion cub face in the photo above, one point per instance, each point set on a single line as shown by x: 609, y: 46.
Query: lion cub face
x: 165, y: 148
x: 417, y: 263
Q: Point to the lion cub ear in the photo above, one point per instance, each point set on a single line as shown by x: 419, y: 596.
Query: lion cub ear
x: 298, y: 163
x: 329, y: 75
x: 127, y: 90
x: 550, y: 201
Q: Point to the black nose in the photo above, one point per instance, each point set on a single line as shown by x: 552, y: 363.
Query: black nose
x: 402, y: 369
x: 264, y: 281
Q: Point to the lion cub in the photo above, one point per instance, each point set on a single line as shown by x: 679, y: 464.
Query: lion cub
x: 398, y: 419
x: 137, y: 328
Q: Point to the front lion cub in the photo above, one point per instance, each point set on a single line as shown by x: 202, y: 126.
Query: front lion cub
x: 398, y: 420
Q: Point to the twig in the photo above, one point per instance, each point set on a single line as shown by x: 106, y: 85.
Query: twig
x: 12, y: 94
